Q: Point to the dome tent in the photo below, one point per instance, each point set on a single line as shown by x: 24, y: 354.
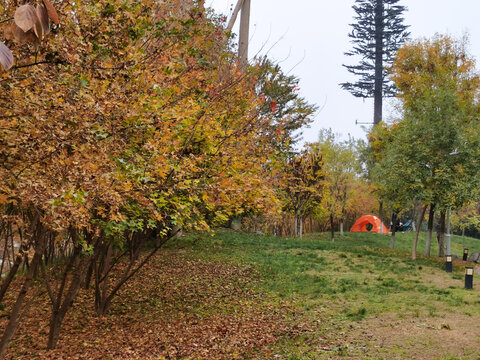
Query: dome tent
x: 369, y: 223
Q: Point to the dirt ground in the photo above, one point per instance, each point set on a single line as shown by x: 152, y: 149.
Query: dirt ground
x: 420, y: 338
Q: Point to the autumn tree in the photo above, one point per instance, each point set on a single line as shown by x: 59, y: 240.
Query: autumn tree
x: 377, y: 34
x: 286, y: 113
x: 289, y: 111
x: 341, y: 167
x: 432, y: 154
x: 466, y: 219
x: 303, y: 185
x: 132, y: 121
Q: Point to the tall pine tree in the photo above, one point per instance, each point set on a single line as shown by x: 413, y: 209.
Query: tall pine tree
x: 376, y: 36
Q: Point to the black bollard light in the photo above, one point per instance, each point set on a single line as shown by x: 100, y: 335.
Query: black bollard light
x: 448, y: 264
x: 469, y: 277
x: 465, y: 254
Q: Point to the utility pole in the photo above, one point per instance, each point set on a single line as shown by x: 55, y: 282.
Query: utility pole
x: 244, y: 7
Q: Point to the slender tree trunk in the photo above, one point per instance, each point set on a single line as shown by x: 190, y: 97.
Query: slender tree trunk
x: 11, y: 275
x: 301, y: 227
x: 63, y: 305
x: 441, y: 234
x: 5, y: 247
x: 414, y: 214
x: 380, y: 215
x: 394, y: 229
x: 378, y: 90
x: 417, y: 232
x: 236, y: 223
x: 15, y: 314
x: 88, y: 276
x: 134, y: 265
x: 332, y: 228
x: 128, y: 274
x: 295, y: 224
x: 25, y: 246
x: 344, y: 205
x: 102, y: 278
x: 431, y: 219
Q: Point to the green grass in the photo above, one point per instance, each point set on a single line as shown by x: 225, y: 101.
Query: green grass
x: 314, y: 269
x: 345, y: 282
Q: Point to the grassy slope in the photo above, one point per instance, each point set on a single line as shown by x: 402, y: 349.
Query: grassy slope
x: 244, y: 296
x: 356, y: 296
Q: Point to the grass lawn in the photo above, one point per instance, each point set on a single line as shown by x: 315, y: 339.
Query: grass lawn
x: 356, y: 298
x: 243, y: 296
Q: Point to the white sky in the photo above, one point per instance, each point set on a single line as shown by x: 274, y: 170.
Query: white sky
x: 310, y: 36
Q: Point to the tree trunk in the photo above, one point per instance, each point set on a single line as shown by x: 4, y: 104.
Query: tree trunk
x: 11, y: 274
x: 431, y: 219
x: 102, y: 278
x: 393, y: 229
x: 441, y: 235
x: 295, y: 224
x: 378, y: 90
x: 13, y: 270
x: 236, y: 223
x: 380, y: 215
x: 15, y: 314
x: 301, y: 227
x: 74, y: 271
x: 63, y: 305
x: 88, y: 276
x: 414, y: 214
x: 344, y: 205
x: 135, y: 264
x: 332, y: 228
x: 417, y: 232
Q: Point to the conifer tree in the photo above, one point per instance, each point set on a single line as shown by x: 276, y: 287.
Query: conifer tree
x: 377, y: 34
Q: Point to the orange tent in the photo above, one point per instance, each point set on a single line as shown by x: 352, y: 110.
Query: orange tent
x: 368, y: 223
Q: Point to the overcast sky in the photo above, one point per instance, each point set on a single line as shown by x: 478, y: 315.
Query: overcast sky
x: 309, y: 38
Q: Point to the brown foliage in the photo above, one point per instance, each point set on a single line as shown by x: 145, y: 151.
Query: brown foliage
x: 175, y: 308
